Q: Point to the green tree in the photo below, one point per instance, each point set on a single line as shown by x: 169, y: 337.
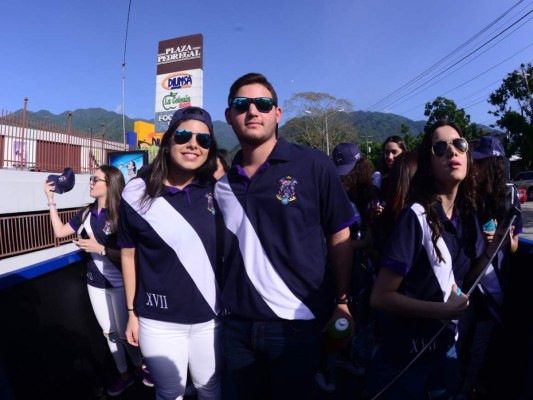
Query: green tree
x: 321, y: 120
x: 371, y: 150
x: 514, y: 103
x: 443, y: 108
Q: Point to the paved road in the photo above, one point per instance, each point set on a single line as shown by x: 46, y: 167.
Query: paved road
x: 527, y: 217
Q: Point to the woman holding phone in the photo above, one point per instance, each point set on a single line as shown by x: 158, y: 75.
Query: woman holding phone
x: 167, y: 232
x: 96, y: 225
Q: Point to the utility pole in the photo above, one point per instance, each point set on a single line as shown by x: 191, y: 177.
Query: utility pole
x: 367, y: 142
x: 526, y: 77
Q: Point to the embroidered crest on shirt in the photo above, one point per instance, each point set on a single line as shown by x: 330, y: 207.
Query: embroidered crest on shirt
x: 210, y: 205
x: 107, y: 227
x: 287, y: 190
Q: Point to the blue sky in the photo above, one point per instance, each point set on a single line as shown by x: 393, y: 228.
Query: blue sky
x: 67, y: 54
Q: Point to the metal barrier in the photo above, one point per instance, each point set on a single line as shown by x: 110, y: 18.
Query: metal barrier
x: 27, y: 233
x: 40, y: 146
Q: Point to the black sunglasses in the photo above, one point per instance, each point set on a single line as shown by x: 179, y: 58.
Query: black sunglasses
x: 182, y: 136
x: 94, y: 179
x: 440, y: 148
x: 263, y: 104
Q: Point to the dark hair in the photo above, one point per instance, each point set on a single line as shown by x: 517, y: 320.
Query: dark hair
x: 382, y: 165
x: 224, y: 157
x: 250, y: 79
x: 115, y: 185
x: 360, y: 187
x: 134, y: 165
x: 492, y: 190
x: 156, y: 174
x: 423, y: 190
x: 396, y: 190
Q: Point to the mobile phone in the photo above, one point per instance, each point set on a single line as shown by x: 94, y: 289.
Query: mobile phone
x: 489, y: 226
x: 84, y: 234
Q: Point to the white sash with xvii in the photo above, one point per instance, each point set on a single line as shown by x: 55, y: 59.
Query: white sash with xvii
x: 180, y: 236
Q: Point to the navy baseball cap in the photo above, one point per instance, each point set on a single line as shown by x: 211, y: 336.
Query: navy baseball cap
x: 64, y: 182
x: 488, y: 146
x: 197, y: 113
x: 345, y: 156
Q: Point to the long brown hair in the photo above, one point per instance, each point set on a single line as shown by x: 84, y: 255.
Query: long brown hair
x: 115, y: 185
x: 360, y: 188
x: 157, y: 172
x: 424, y: 191
x: 397, y: 187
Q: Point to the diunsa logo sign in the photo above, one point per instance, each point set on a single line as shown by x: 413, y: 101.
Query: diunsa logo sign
x: 177, y: 81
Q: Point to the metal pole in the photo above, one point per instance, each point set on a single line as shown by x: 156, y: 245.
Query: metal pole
x: 103, y: 135
x: 22, y: 153
x: 68, y: 137
x: 327, y: 136
x: 91, y: 155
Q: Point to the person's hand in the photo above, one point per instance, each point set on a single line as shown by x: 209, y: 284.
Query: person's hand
x: 456, y: 304
x: 342, y: 311
x: 89, y: 245
x: 132, y: 329
x: 488, y: 236
x: 49, y: 191
x: 377, y: 208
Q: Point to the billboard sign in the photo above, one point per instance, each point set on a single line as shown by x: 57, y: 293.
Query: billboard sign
x: 179, y: 80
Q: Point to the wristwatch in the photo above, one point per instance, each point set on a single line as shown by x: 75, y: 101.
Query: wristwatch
x: 346, y: 300
x: 104, y: 251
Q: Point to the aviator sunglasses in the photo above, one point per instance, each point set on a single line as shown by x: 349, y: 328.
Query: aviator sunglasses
x: 440, y: 148
x: 263, y: 104
x: 94, y: 179
x: 182, y: 136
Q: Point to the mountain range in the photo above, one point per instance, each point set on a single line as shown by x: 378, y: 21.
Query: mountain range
x: 375, y: 125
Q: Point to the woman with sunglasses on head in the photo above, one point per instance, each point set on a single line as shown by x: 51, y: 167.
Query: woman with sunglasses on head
x: 169, y: 254
x: 96, y: 225
x: 430, y: 252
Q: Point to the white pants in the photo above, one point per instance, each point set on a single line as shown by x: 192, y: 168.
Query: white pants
x: 109, y: 306
x: 170, y: 348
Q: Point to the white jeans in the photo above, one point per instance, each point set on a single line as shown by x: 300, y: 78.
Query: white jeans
x: 170, y: 348
x: 109, y: 306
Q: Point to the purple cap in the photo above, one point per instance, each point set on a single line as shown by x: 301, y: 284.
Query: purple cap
x: 64, y: 182
x: 197, y: 113
x: 345, y: 156
x: 488, y: 146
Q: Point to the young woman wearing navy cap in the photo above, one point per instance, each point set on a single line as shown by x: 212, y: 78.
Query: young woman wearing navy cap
x: 167, y: 234
x: 97, y: 225
x: 431, y: 250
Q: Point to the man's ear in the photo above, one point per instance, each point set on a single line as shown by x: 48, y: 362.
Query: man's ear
x: 228, y: 116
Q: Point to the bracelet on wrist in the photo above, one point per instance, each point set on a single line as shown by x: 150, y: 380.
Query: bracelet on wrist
x: 131, y: 309
x: 52, y: 204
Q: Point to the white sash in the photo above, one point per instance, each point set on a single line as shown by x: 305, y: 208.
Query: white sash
x: 259, y: 268
x: 180, y: 236
x: 442, y: 269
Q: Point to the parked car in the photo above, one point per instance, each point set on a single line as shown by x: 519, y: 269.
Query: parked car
x: 522, y: 195
x: 525, y: 180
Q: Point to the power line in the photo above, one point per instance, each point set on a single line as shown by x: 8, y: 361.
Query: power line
x: 438, y: 63
x: 446, y: 58
x: 399, y: 100
x: 472, y: 79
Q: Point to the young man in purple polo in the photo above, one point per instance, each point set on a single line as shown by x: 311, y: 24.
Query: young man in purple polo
x: 289, y: 216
